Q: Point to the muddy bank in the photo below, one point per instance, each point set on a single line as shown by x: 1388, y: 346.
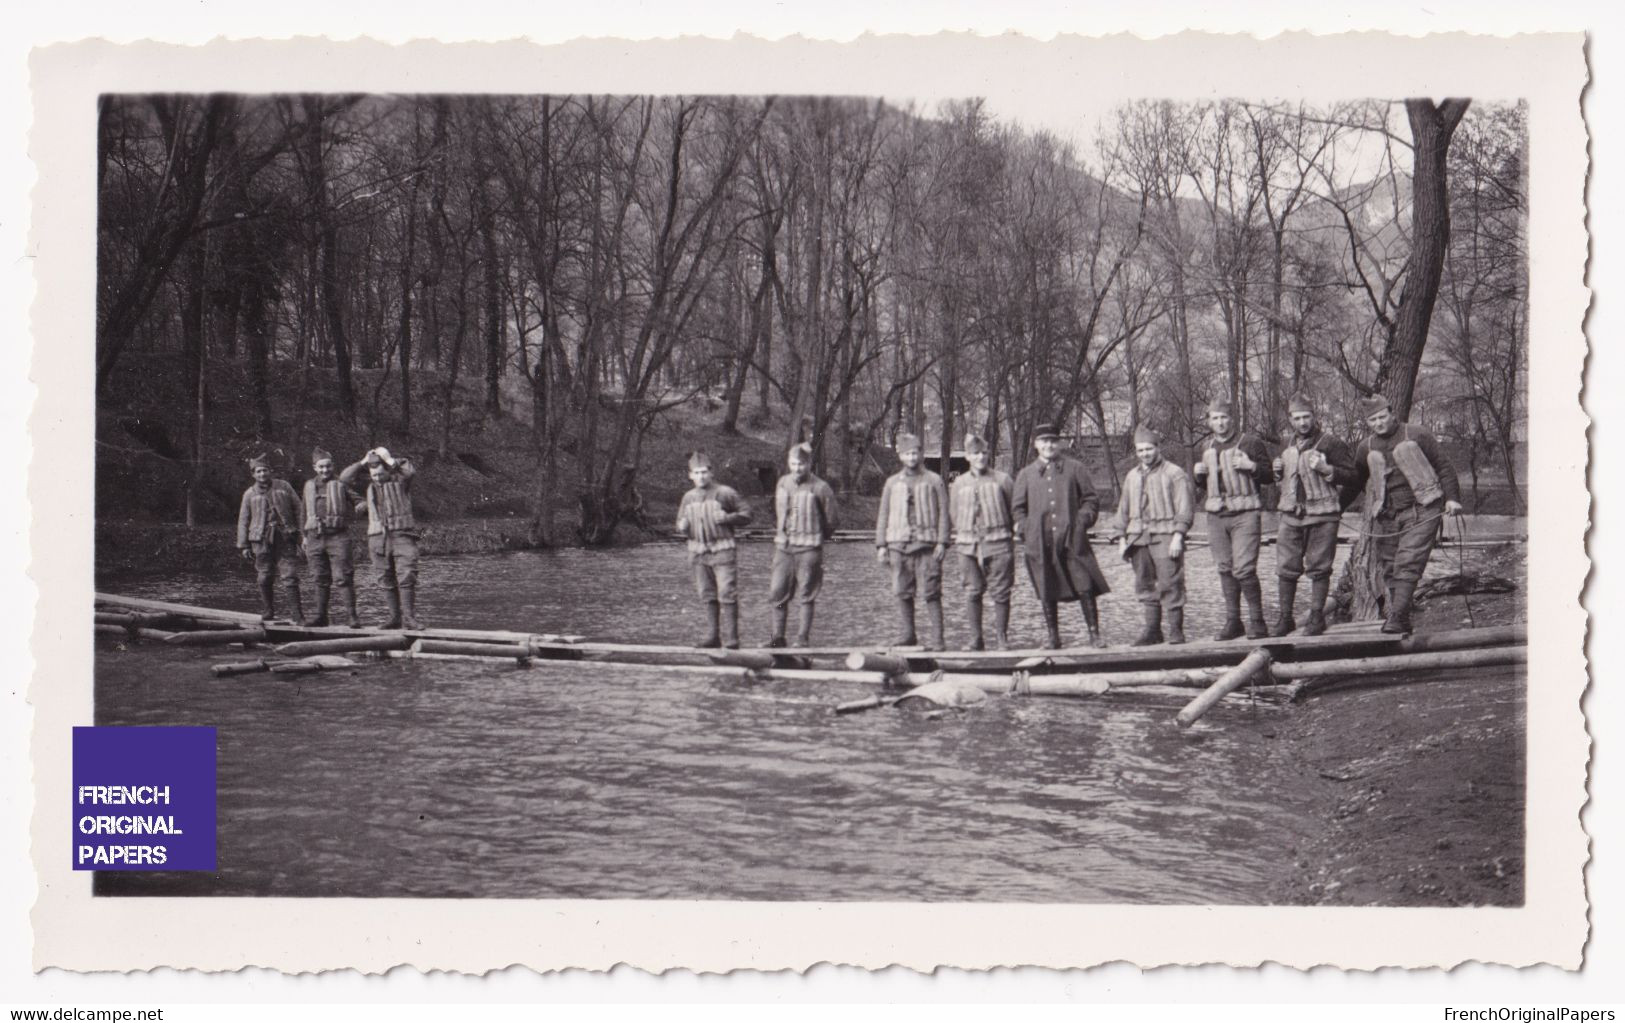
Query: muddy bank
x: 1418, y: 784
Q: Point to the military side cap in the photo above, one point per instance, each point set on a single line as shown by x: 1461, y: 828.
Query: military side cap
x: 1146, y: 435
x: 320, y: 455
x: 974, y: 444
x: 1047, y: 431
x: 802, y: 452
x: 1370, y: 406
x: 699, y: 460
x: 907, y: 442
x: 259, y: 462
x: 1300, y: 403
x: 1222, y: 405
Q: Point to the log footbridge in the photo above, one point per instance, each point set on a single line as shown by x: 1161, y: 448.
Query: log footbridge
x: 1287, y: 667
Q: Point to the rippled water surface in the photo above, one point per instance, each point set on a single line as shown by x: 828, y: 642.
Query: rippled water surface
x: 442, y: 778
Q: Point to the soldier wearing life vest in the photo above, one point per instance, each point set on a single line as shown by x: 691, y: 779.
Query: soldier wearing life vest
x: 911, y: 538
x: 1409, y: 485
x: 1230, y: 468
x: 804, y: 516
x: 269, y: 528
x: 1054, y: 505
x: 1154, y: 514
x: 707, y: 518
x: 980, y: 510
x: 328, y: 508
x: 1313, y: 469
x: 392, y: 532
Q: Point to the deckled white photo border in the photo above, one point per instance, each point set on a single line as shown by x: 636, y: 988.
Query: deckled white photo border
x: 75, y: 931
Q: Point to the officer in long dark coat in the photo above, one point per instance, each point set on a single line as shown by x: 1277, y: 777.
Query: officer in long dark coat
x: 1054, y: 506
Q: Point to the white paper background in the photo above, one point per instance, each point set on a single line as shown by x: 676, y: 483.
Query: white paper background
x: 196, y: 22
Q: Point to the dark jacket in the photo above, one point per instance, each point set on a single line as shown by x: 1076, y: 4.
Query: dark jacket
x: 1054, y: 507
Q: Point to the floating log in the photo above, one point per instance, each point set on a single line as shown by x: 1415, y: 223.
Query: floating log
x: 307, y: 665
x: 888, y: 664
x: 1256, y: 662
x: 1098, y: 682
x: 1437, y: 660
x: 143, y: 604
x: 759, y: 659
x: 133, y: 633
x: 512, y: 651
x: 218, y: 637
x: 240, y: 668
x: 386, y: 641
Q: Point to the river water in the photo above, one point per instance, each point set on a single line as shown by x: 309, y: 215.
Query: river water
x: 440, y: 778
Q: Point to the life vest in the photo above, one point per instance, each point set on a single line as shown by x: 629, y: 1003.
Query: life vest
x: 336, y: 505
x: 914, y: 509
x: 1413, y: 465
x: 1151, y: 501
x: 980, y: 507
x: 800, y: 513
x: 1229, y: 488
x: 702, y: 515
x: 1318, y: 496
x: 389, y: 507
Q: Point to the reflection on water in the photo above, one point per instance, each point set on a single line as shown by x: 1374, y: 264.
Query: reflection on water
x: 461, y: 779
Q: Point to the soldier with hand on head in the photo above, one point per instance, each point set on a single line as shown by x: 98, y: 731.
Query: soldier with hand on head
x: 1154, y: 514
x: 804, y: 516
x: 1230, y: 468
x: 983, y: 524
x: 328, y: 508
x: 1409, y: 485
x: 392, y: 532
x: 1313, y: 468
x: 1053, y: 505
x: 270, y: 524
x: 707, y: 518
x: 911, y: 537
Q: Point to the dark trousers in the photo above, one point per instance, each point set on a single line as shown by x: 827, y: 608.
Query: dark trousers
x: 1158, y: 578
x: 992, y: 573
x: 716, y: 576
x: 798, y: 573
x: 1305, y: 549
x: 914, y: 572
x: 275, y: 558
x: 1404, y: 541
x: 1233, y: 539
x: 329, y: 557
x: 394, y: 559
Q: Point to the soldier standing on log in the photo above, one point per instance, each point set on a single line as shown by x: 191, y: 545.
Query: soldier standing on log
x: 269, y: 528
x: 1313, y: 469
x: 804, y: 516
x: 983, y: 522
x: 911, y: 536
x: 328, y: 508
x: 392, y: 532
x: 1406, y: 475
x: 707, y: 517
x: 1154, y: 513
x: 1054, y: 505
x: 1231, y: 468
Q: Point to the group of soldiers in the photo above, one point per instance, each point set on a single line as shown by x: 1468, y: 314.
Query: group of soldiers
x: 274, y: 525
x: 1048, y: 509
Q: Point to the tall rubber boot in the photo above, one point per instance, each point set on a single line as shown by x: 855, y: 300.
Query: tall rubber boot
x: 1399, y: 610
x: 267, y: 600
x: 973, y: 614
x: 905, y: 623
x: 323, y: 595
x: 1001, y: 625
x: 1152, y: 633
x: 1091, y: 620
x: 804, y: 625
x: 409, y: 608
x: 295, y: 607
x: 393, y: 601
x: 1286, y: 596
x: 780, y: 615
x: 1250, y: 589
x: 933, y: 623
x: 349, y: 603
x: 1176, y: 625
x: 1052, y: 626
x: 1232, y: 609
x: 1319, y: 589
x: 712, y: 617
x: 730, y: 626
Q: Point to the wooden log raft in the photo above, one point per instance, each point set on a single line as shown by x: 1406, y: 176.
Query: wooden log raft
x: 511, y: 651
x: 384, y: 641
x: 1255, y: 663
x: 219, y: 637
x: 759, y: 660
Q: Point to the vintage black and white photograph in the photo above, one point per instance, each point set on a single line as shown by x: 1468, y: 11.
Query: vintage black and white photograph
x: 816, y: 497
